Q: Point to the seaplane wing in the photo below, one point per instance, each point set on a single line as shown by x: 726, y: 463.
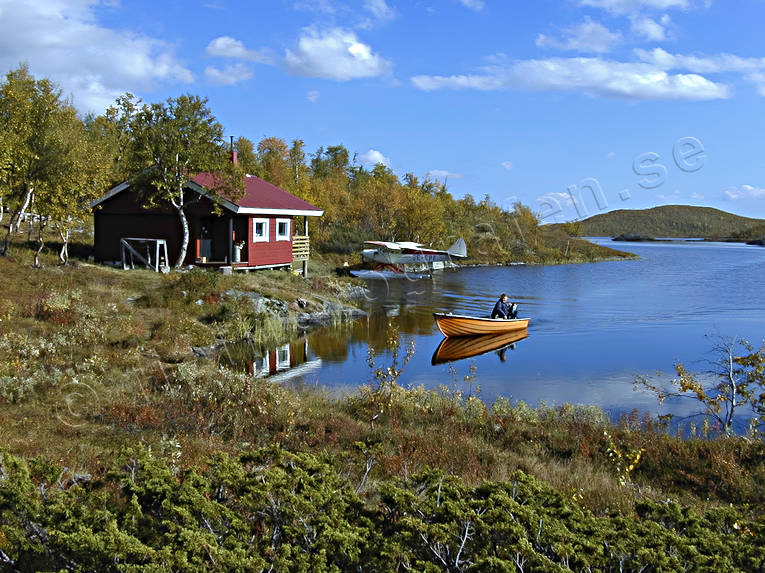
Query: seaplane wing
x: 409, y: 253
x: 384, y: 245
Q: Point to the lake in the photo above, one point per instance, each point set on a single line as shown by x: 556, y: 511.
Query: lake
x: 594, y: 327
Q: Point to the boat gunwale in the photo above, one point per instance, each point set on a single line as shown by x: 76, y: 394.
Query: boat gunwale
x: 479, y: 318
x: 452, y: 325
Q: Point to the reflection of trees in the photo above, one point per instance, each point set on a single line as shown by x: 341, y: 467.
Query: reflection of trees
x: 377, y: 331
x: 331, y: 343
x: 381, y: 332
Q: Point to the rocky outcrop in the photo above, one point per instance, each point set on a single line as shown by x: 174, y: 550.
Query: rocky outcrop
x: 331, y: 313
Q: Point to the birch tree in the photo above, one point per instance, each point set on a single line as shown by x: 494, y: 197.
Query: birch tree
x: 735, y: 383
x: 172, y: 142
x: 114, y: 130
x: 27, y: 116
x: 78, y: 172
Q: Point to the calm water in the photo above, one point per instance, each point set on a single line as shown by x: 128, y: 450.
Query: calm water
x: 593, y: 328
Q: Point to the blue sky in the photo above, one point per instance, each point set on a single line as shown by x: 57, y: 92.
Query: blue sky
x: 572, y: 107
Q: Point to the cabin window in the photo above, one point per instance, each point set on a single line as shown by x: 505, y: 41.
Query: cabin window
x: 282, y: 229
x: 260, y: 230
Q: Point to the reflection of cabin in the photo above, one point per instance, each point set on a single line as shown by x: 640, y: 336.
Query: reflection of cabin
x: 285, y: 362
x: 266, y: 228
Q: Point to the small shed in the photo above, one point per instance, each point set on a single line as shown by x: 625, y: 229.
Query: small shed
x: 266, y: 228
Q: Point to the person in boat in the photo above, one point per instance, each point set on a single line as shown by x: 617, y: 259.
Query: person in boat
x: 504, y: 308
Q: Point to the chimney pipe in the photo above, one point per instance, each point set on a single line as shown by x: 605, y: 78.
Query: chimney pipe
x: 234, y: 158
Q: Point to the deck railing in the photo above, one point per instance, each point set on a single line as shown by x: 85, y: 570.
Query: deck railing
x: 300, y: 247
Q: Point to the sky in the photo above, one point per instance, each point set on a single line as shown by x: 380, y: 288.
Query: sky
x: 572, y: 107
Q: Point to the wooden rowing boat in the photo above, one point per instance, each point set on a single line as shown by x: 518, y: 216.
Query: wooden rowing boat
x: 463, y: 325
x: 459, y: 347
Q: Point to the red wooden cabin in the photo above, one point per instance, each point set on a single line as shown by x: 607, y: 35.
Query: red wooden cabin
x: 266, y: 228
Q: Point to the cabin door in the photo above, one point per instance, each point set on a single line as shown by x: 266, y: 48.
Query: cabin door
x: 205, y: 239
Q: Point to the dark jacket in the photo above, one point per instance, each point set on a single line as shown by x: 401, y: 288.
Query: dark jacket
x: 502, y: 309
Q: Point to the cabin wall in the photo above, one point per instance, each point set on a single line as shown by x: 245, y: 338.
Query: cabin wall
x: 109, y: 228
x: 124, y: 216
x: 272, y: 252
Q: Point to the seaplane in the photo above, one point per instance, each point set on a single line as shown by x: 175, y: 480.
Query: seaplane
x: 405, y: 258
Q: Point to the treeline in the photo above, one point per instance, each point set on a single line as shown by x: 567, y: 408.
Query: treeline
x: 672, y: 221
x: 53, y: 162
x: 362, y: 204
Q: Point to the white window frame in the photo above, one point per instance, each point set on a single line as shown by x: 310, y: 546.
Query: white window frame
x: 286, y: 237
x: 283, y: 358
x: 260, y: 366
x: 264, y: 239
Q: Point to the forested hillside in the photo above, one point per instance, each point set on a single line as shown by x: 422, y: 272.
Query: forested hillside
x: 670, y: 221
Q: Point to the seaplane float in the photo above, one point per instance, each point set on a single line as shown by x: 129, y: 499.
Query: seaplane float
x: 407, y: 259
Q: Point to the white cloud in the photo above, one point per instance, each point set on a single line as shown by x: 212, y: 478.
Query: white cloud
x: 442, y: 174
x: 753, y: 69
x: 697, y: 196
x: 633, y: 6
x: 611, y: 154
x: 321, y: 6
x: 744, y: 192
x: 379, y: 9
x: 560, y: 199
x: 594, y: 76
x: 700, y: 64
x: 589, y: 36
x: 230, y: 75
x: 63, y: 41
x: 334, y: 54
x: 313, y: 95
x: 507, y: 165
x: 373, y: 157
x: 228, y: 47
x: 650, y: 29
x: 476, y: 5
x: 758, y: 79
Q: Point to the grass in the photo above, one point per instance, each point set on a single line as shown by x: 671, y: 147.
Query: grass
x: 93, y: 359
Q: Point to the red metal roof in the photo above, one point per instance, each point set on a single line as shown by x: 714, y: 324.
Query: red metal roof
x: 260, y: 194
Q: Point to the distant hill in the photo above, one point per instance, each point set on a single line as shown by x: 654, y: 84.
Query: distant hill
x: 672, y: 221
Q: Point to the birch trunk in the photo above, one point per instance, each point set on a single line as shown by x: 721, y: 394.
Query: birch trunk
x: 185, y: 241
x: 63, y: 255
x: 29, y: 198
x: 40, y: 242
x: 15, y: 220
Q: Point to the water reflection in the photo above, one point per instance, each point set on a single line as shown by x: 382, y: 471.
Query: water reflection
x: 281, y: 363
x: 461, y: 347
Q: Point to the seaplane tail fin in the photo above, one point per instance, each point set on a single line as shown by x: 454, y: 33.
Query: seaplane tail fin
x: 458, y: 249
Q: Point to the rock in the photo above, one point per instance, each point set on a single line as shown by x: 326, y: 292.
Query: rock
x: 355, y: 292
x: 204, y: 351
x: 234, y: 293
x: 331, y: 313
